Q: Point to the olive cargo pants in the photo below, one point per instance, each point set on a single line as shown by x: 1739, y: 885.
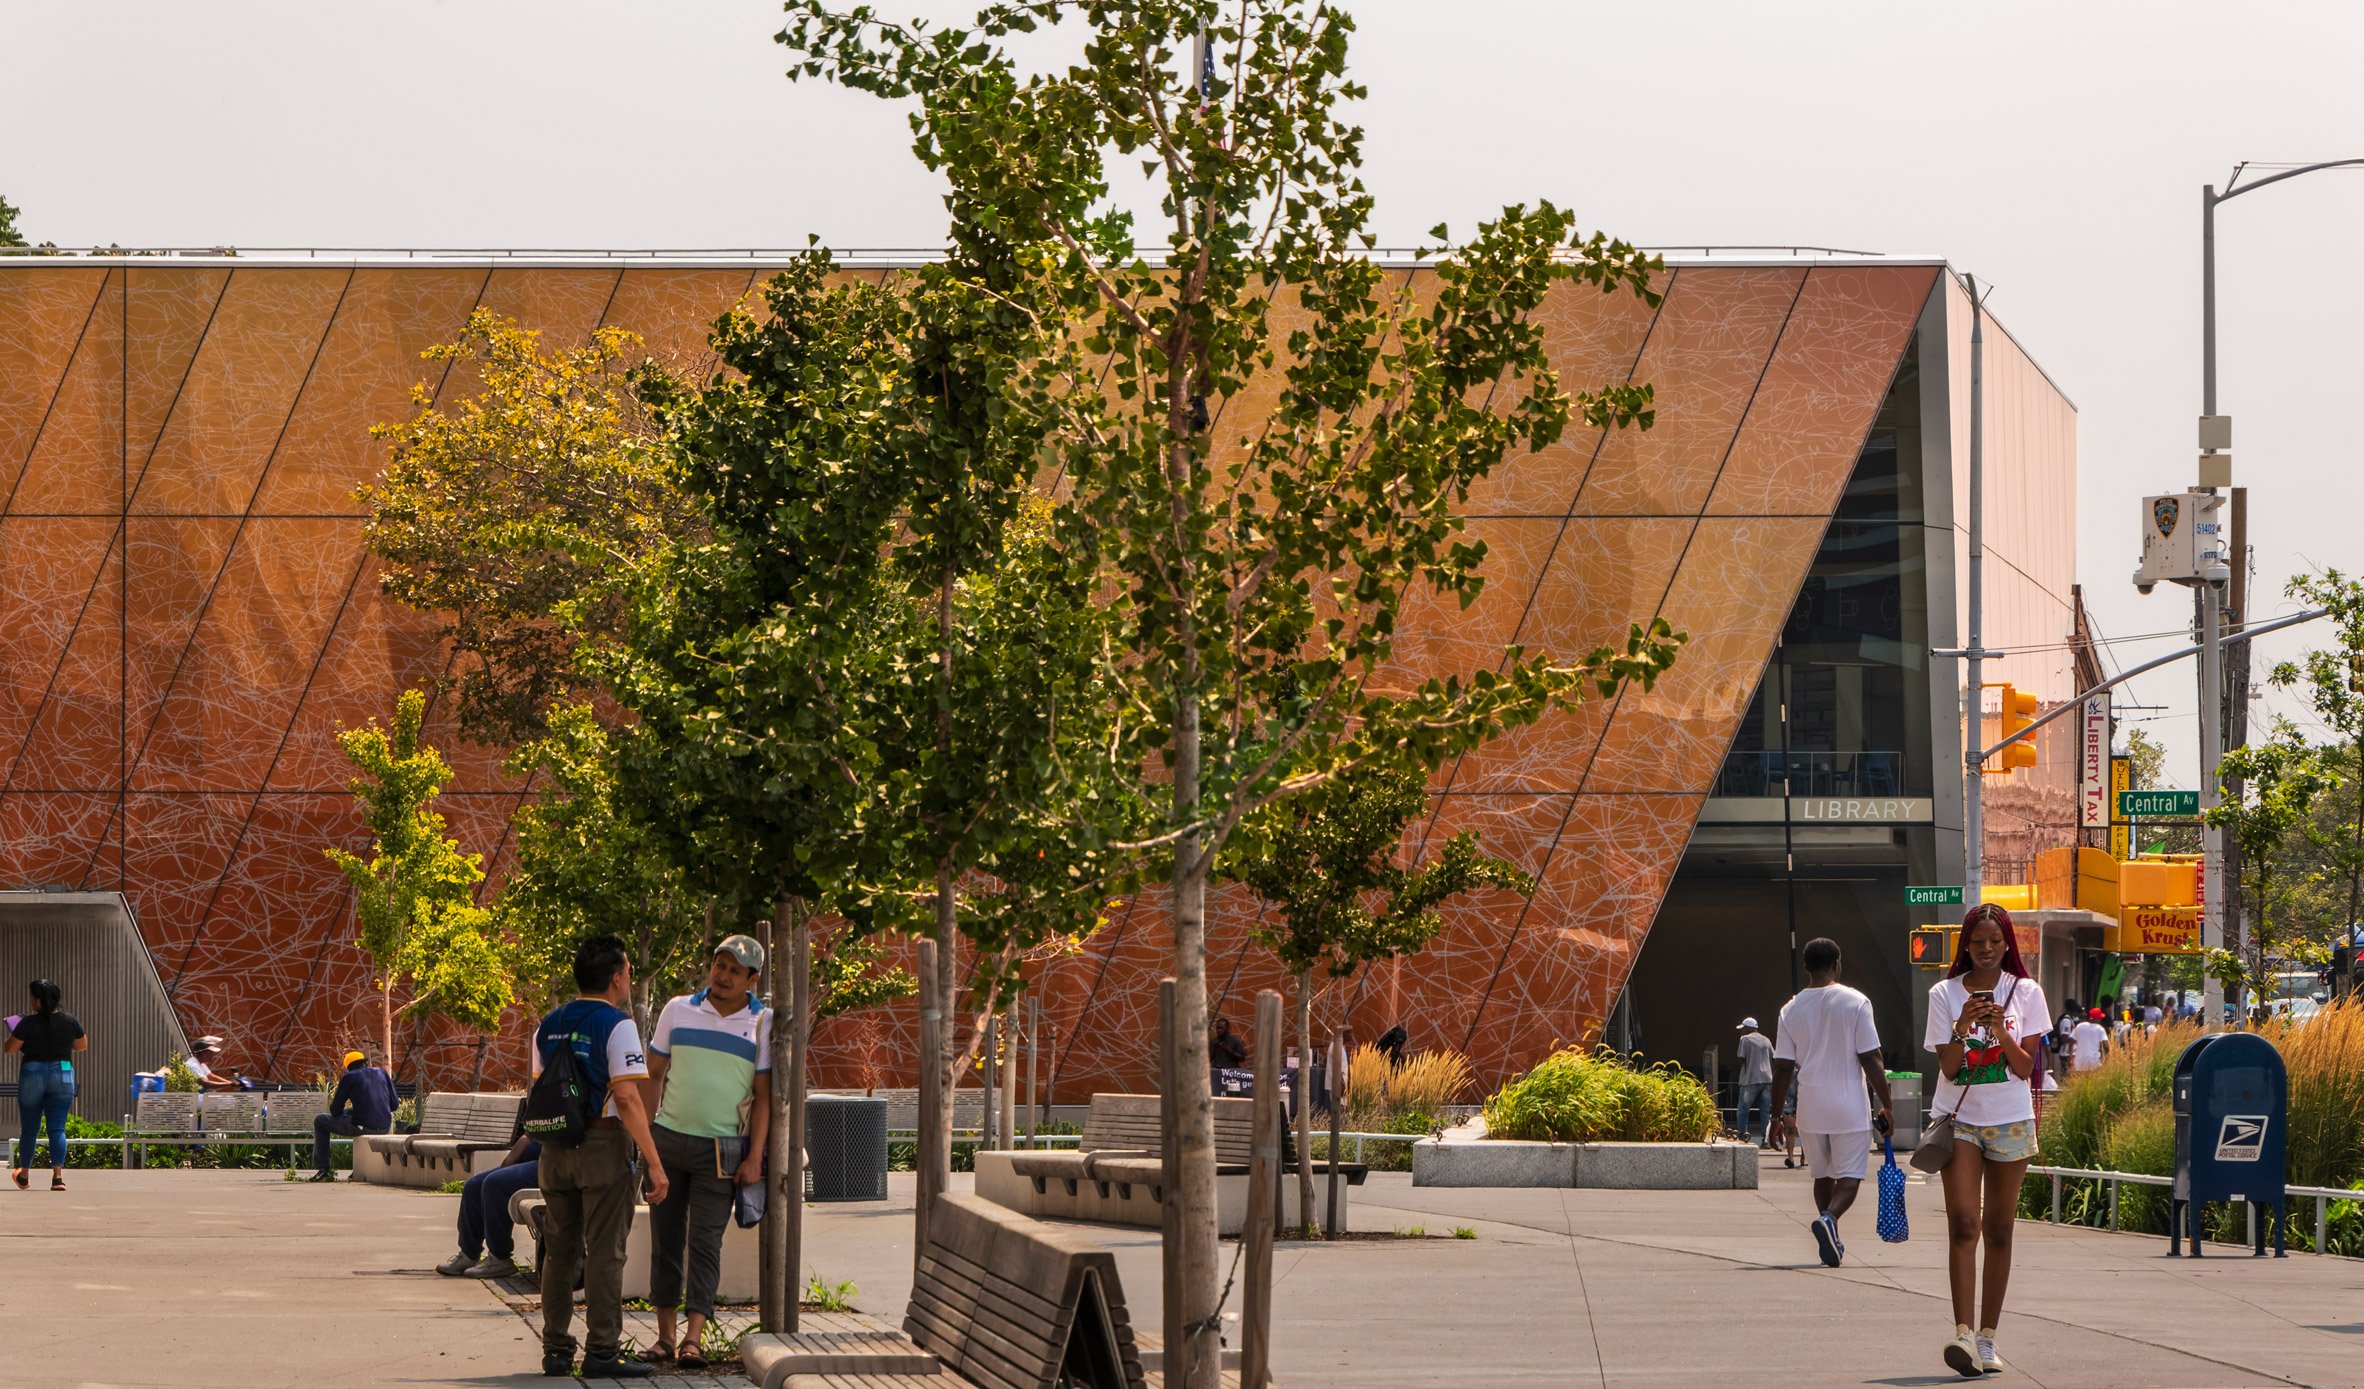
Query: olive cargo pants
x: 586, y: 1216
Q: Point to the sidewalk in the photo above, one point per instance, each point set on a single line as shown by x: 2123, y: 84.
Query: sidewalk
x: 236, y: 1278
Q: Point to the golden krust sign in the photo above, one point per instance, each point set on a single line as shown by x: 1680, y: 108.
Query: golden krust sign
x: 2156, y: 931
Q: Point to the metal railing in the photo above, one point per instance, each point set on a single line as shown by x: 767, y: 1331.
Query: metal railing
x: 2322, y: 1196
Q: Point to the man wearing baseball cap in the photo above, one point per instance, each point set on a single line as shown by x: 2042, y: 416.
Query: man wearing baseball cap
x: 363, y: 1103
x: 711, y: 1057
x: 1754, y: 1112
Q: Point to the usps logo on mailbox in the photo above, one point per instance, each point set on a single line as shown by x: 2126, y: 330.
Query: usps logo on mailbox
x: 2240, y: 1138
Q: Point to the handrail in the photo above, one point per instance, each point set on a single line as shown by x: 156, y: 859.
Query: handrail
x: 2322, y: 1196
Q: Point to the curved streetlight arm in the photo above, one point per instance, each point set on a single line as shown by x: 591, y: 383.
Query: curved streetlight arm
x: 2076, y: 701
x: 2231, y: 191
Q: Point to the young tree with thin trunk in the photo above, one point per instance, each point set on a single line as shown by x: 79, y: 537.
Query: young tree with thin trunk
x: 2271, y: 822
x: 1255, y: 567
x: 414, y: 895
x: 1326, y: 862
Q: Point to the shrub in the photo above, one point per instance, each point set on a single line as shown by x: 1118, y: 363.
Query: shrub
x: 1574, y: 1096
x: 1426, y: 1083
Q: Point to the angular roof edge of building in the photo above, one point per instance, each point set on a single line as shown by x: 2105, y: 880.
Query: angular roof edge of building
x: 558, y: 258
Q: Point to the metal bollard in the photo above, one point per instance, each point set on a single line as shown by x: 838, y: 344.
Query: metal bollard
x: 2113, y: 1205
x: 2322, y: 1223
x: 2056, y: 1198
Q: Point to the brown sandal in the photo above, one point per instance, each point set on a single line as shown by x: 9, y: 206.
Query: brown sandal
x: 659, y: 1354
x: 690, y: 1359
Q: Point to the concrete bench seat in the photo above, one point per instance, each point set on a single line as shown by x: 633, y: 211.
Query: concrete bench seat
x: 459, y: 1136
x: 742, y: 1250
x: 1115, y: 1174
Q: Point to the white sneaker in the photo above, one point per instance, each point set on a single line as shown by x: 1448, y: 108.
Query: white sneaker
x: 1961, y: 1353
x: 1988, y: 1361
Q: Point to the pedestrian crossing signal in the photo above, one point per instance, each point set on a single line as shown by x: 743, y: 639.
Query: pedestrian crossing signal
x: 1933, y: 948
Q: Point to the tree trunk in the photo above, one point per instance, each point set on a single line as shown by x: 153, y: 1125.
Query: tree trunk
x: 800, y: 994
x: 1200, y: 1262
x: 386, y: 1023
x: 930, y: 1112
x: 1305, y: 1102
x: 938, y: 989
x: 774, y: 1291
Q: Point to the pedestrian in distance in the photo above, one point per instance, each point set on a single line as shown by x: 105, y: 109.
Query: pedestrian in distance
x: 363, y: 1103
x: 1984, y: 1018
x: 710, y: 1060
x: 590, y: 1116
x: 47, y: 1038
x: 1754, y: 1111
x: 205, y: 1058
x: 2089, y: 1042
x: 1828, y: 1049
x: 488, y: 1242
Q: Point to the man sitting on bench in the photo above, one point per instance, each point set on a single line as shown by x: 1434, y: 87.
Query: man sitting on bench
x: 484, y: 1215
x: 364, y: 1103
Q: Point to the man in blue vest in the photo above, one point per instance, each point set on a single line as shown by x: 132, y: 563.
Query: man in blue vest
x: 587, y: 1189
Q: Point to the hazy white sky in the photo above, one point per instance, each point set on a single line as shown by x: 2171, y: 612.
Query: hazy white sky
x: 2054, y: 150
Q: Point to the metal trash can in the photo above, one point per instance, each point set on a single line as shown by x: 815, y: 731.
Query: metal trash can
x: 845, y: 1144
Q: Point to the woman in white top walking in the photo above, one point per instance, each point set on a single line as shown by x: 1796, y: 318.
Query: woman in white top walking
x: 1984, y: 1021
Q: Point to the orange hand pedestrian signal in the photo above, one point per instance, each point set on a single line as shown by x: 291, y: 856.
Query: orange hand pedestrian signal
x: 1932, y: 947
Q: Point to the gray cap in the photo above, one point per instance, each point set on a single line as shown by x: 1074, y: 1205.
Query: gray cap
x: 744, y: 949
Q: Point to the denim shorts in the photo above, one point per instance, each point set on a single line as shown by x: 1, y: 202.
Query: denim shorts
x: 2000, y: 1142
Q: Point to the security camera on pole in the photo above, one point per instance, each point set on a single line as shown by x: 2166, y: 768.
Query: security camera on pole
x: 2183, y: 542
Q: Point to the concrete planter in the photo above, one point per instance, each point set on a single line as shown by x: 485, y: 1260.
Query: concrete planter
x: 1465, y: 1157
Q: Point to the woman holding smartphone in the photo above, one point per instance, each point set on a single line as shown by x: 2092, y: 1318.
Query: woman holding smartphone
x: 1985, y: 1019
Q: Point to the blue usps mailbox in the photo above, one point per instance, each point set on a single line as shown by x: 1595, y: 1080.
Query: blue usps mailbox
x: 2232, y: 1103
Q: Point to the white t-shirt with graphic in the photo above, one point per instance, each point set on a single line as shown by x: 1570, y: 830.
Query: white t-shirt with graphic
x: 1826, y: 1031
x: 1984, y: 1090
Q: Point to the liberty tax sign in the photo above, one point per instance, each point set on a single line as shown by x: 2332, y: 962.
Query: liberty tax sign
x: 2093, y: 764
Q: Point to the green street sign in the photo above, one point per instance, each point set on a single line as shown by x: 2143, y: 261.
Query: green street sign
x: 2170, y: 804
x: 1933, y: 896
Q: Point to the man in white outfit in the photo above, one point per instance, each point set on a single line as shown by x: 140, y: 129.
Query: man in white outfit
x: 1829, y: 1047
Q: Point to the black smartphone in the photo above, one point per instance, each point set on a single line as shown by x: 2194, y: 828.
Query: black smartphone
x: 1982, y: 995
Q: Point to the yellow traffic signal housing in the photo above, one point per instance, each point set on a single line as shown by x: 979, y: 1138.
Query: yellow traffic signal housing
x: 1933, y: 947
x: 2019, y: 710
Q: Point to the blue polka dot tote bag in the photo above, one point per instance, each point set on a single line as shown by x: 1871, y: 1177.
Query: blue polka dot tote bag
x: 1893, y: 1228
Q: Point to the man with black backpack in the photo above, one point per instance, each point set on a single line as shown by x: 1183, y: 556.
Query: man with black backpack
x: 587, y: 1110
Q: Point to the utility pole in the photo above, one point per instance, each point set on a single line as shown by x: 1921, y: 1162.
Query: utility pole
x: 1974, y: 649
x: 2217, y: 721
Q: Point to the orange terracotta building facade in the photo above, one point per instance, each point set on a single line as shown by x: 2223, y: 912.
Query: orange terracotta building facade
x: 187, y: 616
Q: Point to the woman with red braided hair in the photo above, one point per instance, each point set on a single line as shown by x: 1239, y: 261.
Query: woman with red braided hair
x: 1986, y: 1019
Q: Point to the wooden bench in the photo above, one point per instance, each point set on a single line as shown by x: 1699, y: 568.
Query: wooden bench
x: 1115, y: 1173
x: 1000, y: 1301
x: 459, y: 1135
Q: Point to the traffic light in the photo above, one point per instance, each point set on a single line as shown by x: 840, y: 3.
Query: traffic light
x: 2019, y: 710
x: 1933, y: 947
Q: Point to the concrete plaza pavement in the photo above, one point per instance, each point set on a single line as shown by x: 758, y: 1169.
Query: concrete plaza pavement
x: 237, y: 1278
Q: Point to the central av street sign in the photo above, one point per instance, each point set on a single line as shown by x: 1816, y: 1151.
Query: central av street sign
x: 2159, y: 804
x: 1933, y: 896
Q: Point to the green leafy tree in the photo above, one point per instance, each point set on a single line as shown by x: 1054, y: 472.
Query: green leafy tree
x: 414, y: 895
x: 9, y: 235
x: 881, y: 599
x: 2333, y: 678
x: 1326, y: 862
x: 1255, y: 567
x: 2270, y: 822
x: 519, y: 513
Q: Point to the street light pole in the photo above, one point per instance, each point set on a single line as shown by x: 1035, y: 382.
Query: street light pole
x: 1974, y: 649
x: 2216, y: 434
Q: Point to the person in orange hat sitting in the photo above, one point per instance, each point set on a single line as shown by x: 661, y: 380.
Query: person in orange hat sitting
x: 364, y: 1103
